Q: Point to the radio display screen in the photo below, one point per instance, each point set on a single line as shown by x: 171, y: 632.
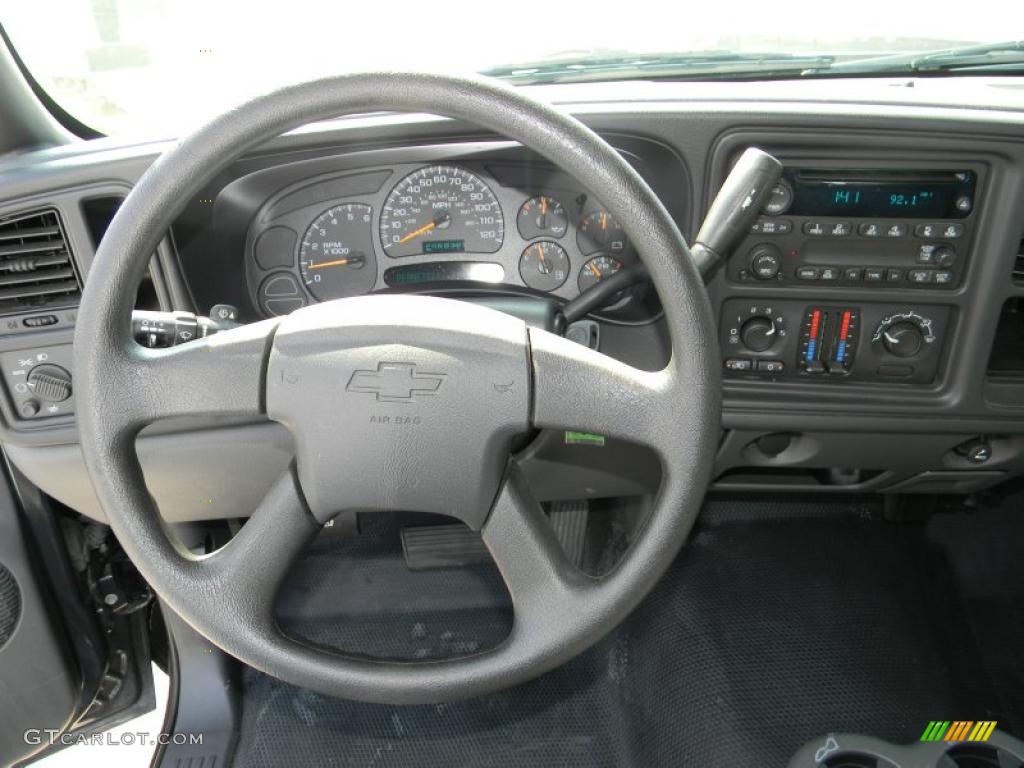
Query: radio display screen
x: 921, y: 198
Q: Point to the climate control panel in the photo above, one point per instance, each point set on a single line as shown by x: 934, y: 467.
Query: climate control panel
x: 832, y: 342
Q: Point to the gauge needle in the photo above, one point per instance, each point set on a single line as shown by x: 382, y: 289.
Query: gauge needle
x: 441, y: 220
x: 594, y: 270
x: 336, y: 263
x: 417, y: 232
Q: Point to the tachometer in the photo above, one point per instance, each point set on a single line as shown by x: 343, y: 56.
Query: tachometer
x: 441, y: 209
x: 336, y: 255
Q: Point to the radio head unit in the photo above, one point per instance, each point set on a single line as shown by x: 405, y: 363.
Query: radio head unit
x: 828, y: 227
x: 878, y: 194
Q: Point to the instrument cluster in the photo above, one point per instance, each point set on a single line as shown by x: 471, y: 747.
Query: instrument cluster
x: 433, y: 227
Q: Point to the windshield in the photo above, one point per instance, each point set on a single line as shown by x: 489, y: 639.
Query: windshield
x: 158, y: 67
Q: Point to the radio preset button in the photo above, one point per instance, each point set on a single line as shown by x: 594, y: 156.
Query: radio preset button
x: 807, y: 273
x: 921, y: 276
x: 815, y: 228
x: 896, y: 230
x: 772, y: 227
x: 840, y: 229
x: 874, y: 274
x: 829, y: 273
x: 949, y: 230
x: 869, y: 229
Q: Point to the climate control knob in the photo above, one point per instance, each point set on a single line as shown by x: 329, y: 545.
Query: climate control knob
x: 903, y: 339
x: 50, y: 383
x: 904, y: 334
x: 758, y: 333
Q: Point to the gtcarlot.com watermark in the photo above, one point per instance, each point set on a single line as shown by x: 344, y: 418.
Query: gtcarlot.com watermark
x: 37, y: 736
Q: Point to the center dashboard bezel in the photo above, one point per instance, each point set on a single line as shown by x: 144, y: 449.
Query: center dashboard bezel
x: 748, y: 394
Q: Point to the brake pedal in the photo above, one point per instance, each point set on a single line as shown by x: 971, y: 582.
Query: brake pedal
x: 453, y: 546
x: 442, y: 546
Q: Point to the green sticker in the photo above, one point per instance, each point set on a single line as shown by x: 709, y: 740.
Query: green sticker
x: 583, y: 438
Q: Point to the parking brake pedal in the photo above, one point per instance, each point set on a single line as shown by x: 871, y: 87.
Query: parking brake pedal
x: 454, y: 546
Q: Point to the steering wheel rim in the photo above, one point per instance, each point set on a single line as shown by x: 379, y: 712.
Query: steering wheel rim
x: 228, y: 596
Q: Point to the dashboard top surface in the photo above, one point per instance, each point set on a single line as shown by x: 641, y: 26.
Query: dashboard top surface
x: 680, y: 136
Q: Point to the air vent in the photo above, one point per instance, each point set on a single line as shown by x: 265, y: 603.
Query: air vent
x: 36, y: 269
x: 1018, y: 264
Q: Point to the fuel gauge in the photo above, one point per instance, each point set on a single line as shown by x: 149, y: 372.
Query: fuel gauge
x: 544, y: 265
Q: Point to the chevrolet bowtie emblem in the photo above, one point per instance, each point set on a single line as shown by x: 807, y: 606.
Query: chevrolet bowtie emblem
x: 395, y: 382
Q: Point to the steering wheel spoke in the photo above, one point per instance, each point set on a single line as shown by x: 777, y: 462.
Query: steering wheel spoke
x: 578, y: 388
x: 248, y: 571
x: 538, y: 575
x: 217, y: 375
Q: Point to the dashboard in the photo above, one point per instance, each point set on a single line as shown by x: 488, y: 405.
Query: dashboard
x: 871, y: 323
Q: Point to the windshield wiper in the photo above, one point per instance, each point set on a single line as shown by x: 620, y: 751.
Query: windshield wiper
x: 604, y: 66
x: 1008, y: 55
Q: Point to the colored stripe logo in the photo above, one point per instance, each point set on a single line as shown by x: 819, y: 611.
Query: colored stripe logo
x: 958, y: 730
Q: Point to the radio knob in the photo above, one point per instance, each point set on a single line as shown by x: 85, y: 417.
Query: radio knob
x: 758, y: 333
x: 944, y: 256
x: 765, y: 261
x: 50, y: 383
x: 903, y: 339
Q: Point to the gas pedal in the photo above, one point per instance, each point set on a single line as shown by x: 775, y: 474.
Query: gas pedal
x: 569, y: 519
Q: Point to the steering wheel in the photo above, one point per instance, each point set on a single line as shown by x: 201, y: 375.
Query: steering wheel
x: 396, y: 403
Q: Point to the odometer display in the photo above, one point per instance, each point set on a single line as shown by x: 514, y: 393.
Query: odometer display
x: 436, y: 207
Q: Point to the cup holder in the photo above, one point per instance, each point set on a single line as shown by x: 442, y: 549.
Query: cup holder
x: 856, y: 760
x: 850, y: 750
x: 978, y: 756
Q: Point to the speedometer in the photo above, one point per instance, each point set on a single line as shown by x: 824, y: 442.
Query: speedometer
x: 441, y: 209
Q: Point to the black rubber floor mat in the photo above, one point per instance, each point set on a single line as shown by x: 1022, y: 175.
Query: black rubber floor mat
x: 763, y: 635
